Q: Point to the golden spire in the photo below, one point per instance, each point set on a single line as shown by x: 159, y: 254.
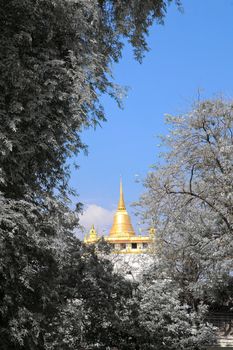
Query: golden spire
x: 122, y: 226
x: 121, y: 203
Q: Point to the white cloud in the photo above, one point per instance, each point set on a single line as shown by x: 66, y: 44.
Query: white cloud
x: 100, y: 217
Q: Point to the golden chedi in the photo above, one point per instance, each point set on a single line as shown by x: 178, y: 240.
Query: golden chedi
x: 92, y: 238
x: 122, y: 226
x: 122, y: 236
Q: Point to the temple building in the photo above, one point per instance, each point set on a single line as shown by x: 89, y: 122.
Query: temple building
x: 122, y: 236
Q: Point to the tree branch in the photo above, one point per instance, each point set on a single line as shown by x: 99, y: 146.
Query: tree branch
x: 205, y: 201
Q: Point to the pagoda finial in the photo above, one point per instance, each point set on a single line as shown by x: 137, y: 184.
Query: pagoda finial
x: 122, y: 226
x: 121, y: 204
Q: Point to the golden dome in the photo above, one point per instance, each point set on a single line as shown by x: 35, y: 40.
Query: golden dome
x: 122, y: 226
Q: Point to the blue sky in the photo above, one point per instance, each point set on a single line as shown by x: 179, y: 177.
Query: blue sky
x: 192, y: 52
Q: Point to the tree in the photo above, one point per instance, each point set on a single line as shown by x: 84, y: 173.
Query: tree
x: 55, y: 62
x: 167, y: 322
x: 54, y: 291
x: 28, y: 274
x: 191, y: 198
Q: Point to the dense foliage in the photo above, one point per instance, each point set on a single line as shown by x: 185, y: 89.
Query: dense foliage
x: 168, y: 322
x: 55, y: 62
x: 190, y: 199
x: 54, y: 292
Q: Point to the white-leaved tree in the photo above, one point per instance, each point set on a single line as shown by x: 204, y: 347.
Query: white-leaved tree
x: 169, y: 323
x: 55, y: 63
x: 189, y: 198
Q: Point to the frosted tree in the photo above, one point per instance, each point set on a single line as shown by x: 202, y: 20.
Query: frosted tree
x: 198, y: 163
x: 55, y: 292
x: 55, y: 63
x: 189, y: 198
x: 167, y: 322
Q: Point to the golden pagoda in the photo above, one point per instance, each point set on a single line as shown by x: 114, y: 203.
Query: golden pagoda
x: 92, y: 237
x: 122, y: 236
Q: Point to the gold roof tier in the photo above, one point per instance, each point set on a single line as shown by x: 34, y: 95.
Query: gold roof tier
x: 122, y: 227
x: 122, y: 237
